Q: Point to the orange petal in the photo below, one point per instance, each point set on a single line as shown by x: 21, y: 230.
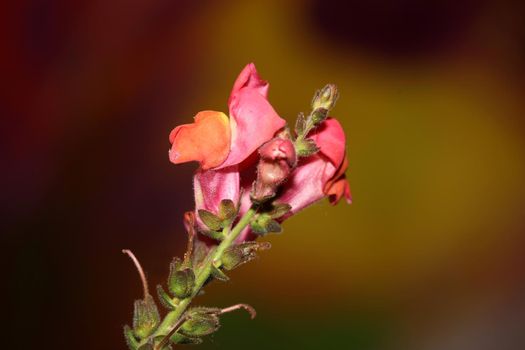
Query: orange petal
x: 338, y: 190
x: 338, y: 187
x: 207, y: 140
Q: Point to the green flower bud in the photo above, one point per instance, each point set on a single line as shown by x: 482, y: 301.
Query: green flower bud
x: 240, y: 254
x: 325, y: 98
x: 201, y: 322
x: 181, y: 280
x: 145, y: 317
x: 319, y: 115
x: 264, y: 223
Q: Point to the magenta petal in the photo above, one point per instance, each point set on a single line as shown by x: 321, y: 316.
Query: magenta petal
x: 330, y: 138
x: 212, y: 186
x: 305, y: 187
x: 249, y: 78
x: 253, y: 121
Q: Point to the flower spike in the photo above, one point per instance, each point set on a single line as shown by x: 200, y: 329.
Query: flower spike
x: 254, y: 173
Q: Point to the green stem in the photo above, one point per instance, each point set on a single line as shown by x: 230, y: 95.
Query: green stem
x: 202, y: 275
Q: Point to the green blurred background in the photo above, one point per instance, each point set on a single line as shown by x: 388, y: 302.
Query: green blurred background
x: 431, y: 254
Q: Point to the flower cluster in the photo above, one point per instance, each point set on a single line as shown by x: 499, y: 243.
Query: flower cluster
x: 253, y: 157
x: 254, y: 172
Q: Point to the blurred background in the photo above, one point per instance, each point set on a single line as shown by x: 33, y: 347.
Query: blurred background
x: 431, y: 254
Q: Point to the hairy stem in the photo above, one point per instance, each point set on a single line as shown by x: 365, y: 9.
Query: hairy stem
x: 171, y: 319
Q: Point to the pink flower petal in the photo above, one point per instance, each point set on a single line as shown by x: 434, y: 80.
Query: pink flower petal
x: 249, y: 78
x: 253, y: 121
x: 212, y: 186
x: 330, y: 138
x: 305, y: 186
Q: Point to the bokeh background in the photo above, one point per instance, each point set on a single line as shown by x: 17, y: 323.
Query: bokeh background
x: 431, y: 254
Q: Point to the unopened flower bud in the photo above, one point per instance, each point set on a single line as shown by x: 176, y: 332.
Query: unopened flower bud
x: 319, y: 115
x: 278, y: 158
x: 145, y: 317
x: 277, y: 149
x: 325, y: 98
x: 201, y: 322
x: 181, y: 280
x: 239, y: 254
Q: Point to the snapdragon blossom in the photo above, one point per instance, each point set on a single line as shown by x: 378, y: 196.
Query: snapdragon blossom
x: 254, y: 172
x: 226, y: 149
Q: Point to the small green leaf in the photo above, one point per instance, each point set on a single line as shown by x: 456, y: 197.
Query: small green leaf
x: 211, y: 220
x: 218, y: 274
x: 165, y: 298
x: 227, y: 210
x: 130, y: 338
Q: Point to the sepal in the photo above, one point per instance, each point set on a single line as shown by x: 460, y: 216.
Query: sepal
x: 218, y: 274
x: 146, y: 317
x: 181, y: 280
x: 240, y: 254
x: 227, y: 211
x: 264, y: 223
x: 319, y: 115
x: 132, y: 342
x: 147, y: 346
x: 212, y: 221
x: 216, y: 235
x: 305, y: 147
x: 165, y: 298
x: 300, y: 124
x: 279, y: 209
x: 178, y: 338
x: 201, y: 322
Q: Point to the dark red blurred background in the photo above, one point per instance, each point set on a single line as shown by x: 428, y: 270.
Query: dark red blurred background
x: 429, y: 256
